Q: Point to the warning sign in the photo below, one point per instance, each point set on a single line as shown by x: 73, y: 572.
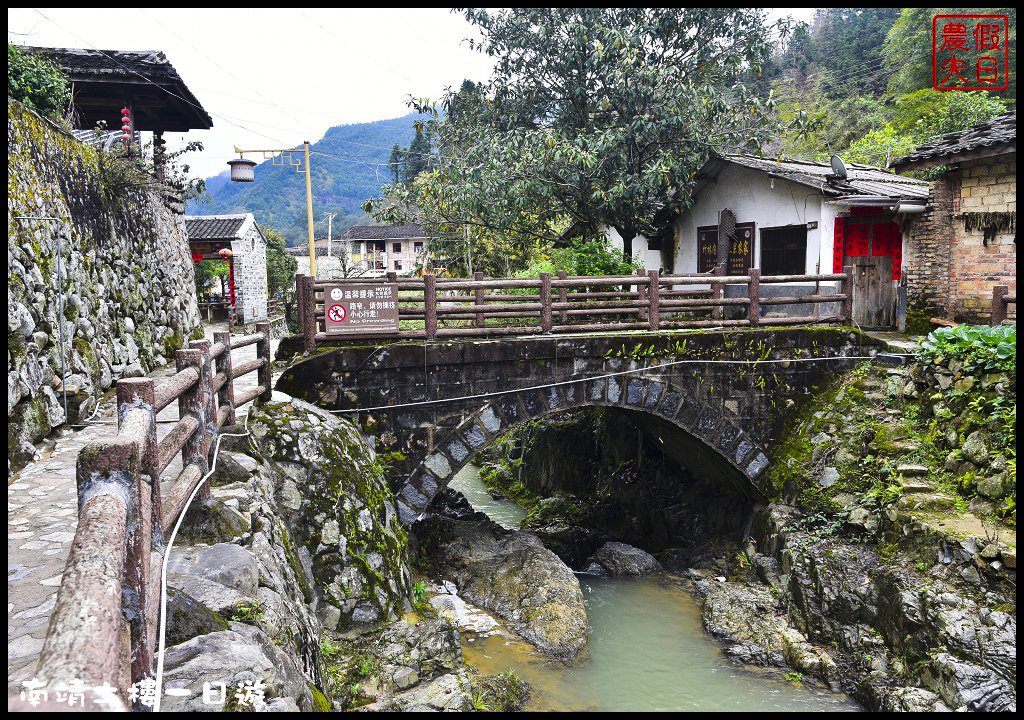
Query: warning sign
x: 361, y: 308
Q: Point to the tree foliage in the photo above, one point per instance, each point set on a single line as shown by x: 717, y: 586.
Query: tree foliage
x: 863, y: 79
x: 281, y: 266
x: 37, y: 82
x: 594, y: 118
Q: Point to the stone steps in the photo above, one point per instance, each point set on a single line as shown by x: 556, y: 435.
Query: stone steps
x: 937, y: 502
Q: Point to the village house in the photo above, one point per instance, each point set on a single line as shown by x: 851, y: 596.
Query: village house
x: 794, y: 217
x: 210, y: 237
x: 966, y: 242
x: 366, y: 251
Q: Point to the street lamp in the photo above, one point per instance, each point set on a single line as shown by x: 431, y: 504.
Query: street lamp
x: 242, y: 171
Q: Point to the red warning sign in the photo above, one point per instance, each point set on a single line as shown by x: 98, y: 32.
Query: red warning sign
x: 361, y: 308
x: 336, y: 313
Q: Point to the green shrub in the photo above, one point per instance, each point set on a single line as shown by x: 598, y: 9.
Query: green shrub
x: 36, y: 82
x: 981, y: 348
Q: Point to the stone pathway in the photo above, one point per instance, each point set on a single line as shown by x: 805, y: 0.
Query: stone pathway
x: 42, y: 516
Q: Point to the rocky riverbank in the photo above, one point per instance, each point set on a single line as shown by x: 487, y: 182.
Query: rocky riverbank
x: 885, y: 568
x: 293, y: 578
x: 507, y: 572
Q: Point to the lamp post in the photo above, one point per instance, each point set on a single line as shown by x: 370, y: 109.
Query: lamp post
x: 242, y: 171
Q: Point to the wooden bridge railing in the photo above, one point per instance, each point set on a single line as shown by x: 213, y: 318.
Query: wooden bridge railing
x: 562, y: 304
x: 103, y: 626
x: 1001, y: 298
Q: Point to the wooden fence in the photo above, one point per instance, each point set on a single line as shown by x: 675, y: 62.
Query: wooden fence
x: 561, y: 304
x: 103, y: 627
x: 1001, y: 298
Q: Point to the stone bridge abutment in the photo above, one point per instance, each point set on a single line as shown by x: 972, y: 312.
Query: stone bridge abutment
x: 717, y: 399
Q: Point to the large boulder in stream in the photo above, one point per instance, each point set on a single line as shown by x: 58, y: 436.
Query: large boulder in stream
x: 622, y: 560
x: 514, y: 576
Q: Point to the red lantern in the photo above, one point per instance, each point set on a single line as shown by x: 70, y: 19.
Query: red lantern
x: 225, y: 252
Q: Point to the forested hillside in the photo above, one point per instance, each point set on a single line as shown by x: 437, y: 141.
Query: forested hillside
x: 349, y: 165
x: 863, y: 77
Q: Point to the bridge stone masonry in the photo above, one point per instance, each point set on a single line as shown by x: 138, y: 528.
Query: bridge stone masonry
x: 715, y: 399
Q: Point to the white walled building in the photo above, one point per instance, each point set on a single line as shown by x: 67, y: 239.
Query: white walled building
x: 208, y: 234
x: 366, y: 251
x: 792, y: 218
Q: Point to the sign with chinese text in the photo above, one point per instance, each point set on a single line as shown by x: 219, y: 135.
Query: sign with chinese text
x: 970, y: 52
x: 741, y: 249
x: 362, y: 308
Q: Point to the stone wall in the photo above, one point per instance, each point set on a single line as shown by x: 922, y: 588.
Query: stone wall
x: 105, y: 292
x: 982, y: 186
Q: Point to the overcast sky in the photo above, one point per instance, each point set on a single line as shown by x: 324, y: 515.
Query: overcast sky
x: 273, y: 78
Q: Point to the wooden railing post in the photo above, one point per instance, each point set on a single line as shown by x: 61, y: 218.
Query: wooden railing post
x: 139, y: 394
x: 717, y: 291
x: 430, y: 305
x: 308, y: 318
x: 563, y: 297
x: 642, y: 294
x: 226, y: 394
x: 263, y: 375
x: 545, y: 302
x: 846, y: 286
x: 478, y: 294
x: 191, y: 403
x: 653, y: 300
x: 391, y: 276
x: 999, y: 292
x: 754, y: 295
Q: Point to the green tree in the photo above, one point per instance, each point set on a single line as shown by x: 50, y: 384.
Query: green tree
x: 36, y: 82
x: 281, y: 266
x: 596, y: 117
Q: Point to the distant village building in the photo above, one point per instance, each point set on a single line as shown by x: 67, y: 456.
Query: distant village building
x: 967, y: 241
x: 366, y: 251
x: 208, y: 235
x: 794, y: 218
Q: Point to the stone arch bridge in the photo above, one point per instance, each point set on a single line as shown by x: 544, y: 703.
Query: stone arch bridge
x: 433, y: 405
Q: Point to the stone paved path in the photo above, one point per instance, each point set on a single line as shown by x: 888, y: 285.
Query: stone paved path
x: 42, y: 516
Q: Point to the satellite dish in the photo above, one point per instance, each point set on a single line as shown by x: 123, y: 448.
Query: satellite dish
x: 838, y: 167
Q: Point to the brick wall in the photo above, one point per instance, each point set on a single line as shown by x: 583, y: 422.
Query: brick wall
x: 987, y: 185
x: 926, y: 260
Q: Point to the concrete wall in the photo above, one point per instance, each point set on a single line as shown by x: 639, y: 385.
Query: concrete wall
x: 125, y: 282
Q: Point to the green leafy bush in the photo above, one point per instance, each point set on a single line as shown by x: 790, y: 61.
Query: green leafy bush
x: 979, y: 347
x: 36, y: 82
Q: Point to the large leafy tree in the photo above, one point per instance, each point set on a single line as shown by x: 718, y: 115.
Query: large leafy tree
x: 596, y: 117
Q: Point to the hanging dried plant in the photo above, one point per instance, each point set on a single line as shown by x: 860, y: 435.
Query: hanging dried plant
x: 991, y: 223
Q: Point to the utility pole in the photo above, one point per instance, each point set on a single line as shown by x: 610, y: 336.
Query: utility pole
x: 330, y: 217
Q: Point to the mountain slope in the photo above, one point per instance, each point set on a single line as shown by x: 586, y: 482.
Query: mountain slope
x: 348, y: 166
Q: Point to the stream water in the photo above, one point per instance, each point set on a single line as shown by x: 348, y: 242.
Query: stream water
x: 647, y: 649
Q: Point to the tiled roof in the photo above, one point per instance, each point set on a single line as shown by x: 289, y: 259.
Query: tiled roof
x: 214, y: 227
x: 103, y: 79
x: 861, y: 180
x: 383, y: 232
x: 999, y: 135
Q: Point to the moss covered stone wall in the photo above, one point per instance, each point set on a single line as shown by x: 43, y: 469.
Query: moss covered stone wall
x: 125, y: 297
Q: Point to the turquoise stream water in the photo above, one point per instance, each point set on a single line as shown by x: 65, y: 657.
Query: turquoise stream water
x: 647, y: 649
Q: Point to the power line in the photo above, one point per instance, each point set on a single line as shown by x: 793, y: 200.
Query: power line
x: 160, y: 87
